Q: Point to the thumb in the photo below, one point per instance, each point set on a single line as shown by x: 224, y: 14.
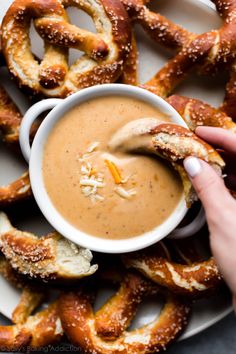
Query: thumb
x: 209, y: 186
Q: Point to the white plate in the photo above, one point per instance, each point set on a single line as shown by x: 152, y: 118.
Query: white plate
x: 198, y: 16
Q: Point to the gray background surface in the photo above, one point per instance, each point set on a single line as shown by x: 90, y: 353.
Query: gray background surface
x: 218, y: 339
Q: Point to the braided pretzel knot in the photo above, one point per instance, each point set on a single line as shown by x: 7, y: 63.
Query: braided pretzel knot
x: 194, y: 279
x: 105, y: 331
x: 211, y: 51
x: 104, y: 51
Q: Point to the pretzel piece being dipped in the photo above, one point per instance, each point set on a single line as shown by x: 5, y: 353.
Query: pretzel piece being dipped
x: 104, y: 55
x: 49, y: 257
x: 169, y: 141
x: 175, y: 143
x: 194, y: 279
x: 91, y: 331
x: 197, y: 113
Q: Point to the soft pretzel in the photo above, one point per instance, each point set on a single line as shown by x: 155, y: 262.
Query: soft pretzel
x: 32, y: 294
x: 169, y: 141
x: 211, y: 51
x: 37, y: 331
x: 158, y: 27
x: 104, y: 51
x: 49, y: 257
x: 192, y: 279
x: 10, y: 119
x: 229, y: 104
x: 197, y: 113
x: 29, y: 331
x: 176, y: 143
x: 2, y: 60
x: 16, y: 191
x: 105, y: 331
x: 129, y: 74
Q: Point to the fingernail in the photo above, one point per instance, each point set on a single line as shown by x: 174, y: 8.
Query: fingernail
x: 192, y: 166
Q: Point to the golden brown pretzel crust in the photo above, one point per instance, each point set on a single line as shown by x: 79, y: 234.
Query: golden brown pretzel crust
x: 16, y: 191
x: 32, y: 293
x: 129, y: 74
x: 92, y: 333
x: 211, y: 51
x: 197, y: 113
x: 29, y: 331
x: 158, y: 27
x: 39, y: 330
x: 175, y: 143
x: 112, y: 319
x: 104, y: 52
x: 229, y: 105
x: 48, y: 257
x: 10, y: 119
x: 193, y: 280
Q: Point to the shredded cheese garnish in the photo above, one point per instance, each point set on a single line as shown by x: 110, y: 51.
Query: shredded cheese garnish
x: 114, y: 171
x: 92, y: 147
x: 123, y: 193
x: 88, y: 152
x: 91, y: 180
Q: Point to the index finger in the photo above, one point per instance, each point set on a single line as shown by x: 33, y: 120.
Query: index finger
x: 222, y: 138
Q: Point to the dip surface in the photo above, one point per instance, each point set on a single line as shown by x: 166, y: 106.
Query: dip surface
x: 80, y: 174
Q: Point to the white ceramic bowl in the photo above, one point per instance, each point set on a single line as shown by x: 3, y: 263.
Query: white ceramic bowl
x: 34, y: 155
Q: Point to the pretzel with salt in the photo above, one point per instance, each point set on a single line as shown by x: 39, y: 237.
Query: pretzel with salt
x: 48, y: 257
x: 229, y: 104
x: 197, y: 113
x: 10, y: 119
x: 211, y: 51
x: 37, y: 331
x: 105, y: 51
x: 191, y: 279
x: 32, y: 294
x: 29, y: 331
x: 105, y: 332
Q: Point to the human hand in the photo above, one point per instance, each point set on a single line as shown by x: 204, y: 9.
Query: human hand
x: 219, y: 205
